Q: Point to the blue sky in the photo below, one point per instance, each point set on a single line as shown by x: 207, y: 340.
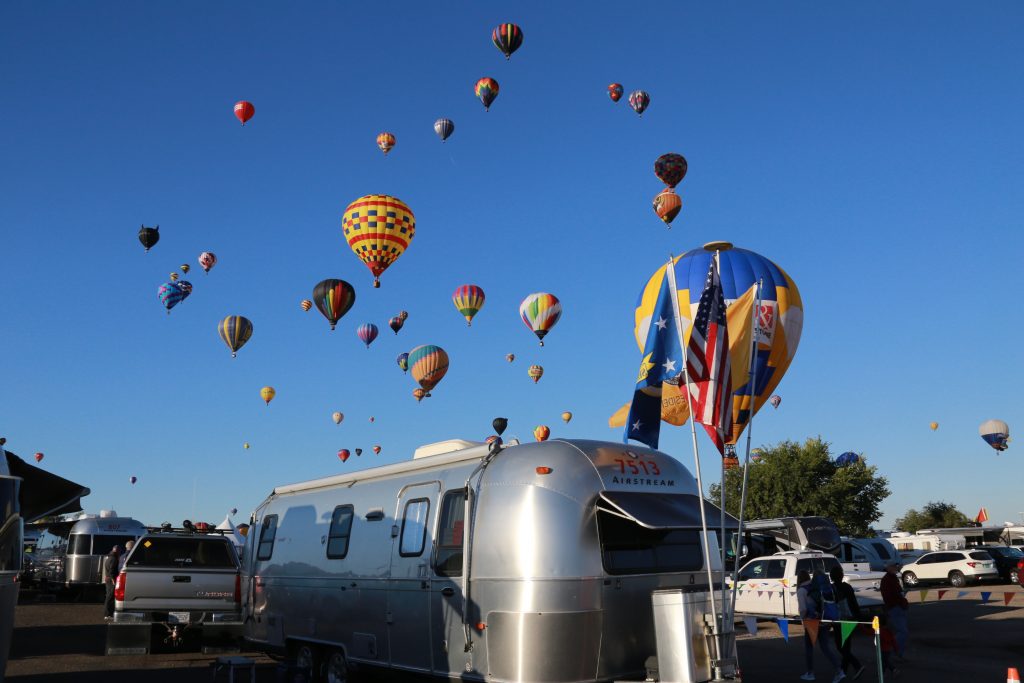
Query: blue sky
x: 872, y: 151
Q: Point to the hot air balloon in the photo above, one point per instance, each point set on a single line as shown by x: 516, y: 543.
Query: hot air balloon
x: 186, y: 289
x: 670, y: 168
x: 846, y: 459
x: 444, y: 128
x: 372, y: 418
x: 566, y: 416
x: 775, y: 400
x: 132, y: 479
x: 486, y: 90
x: 404, y: 315
x: 267, y: 394
x: 403, y: 361
x: 333, y: 298
x: 359, y: 451
x: 996, y: 433
x: 149, y: 236
x: 234, y: 511
x: 535, y: 372
x: 396, y: 323
x: 730, y: 462
x: 376, y: 450
x: 507, y: 38
x: 540, y: 312
x: 343, y: 454
x: 667, y: 205
x: 639, y: 100
x: 39, y: 457
x: 934, y: 426
x: 170, y: 295
x: 337, y: 417
x: 429, y: 364
x: 541, y: 433
x: 615, y: 91
x: 235, y: 330
x: 174, y: 277
x: 510, y: 357
x: 468, y: 300
x: 367, y: 332
x: 207, y: 260
x: 245, y: 445
x: 500, y: 424
x: 418, y: 394
x: 184, y: 268
x: 779, y: 320
x: 378, y: 229
x: 305, y: 304
x: 244, y: 111
x: 386, y: 141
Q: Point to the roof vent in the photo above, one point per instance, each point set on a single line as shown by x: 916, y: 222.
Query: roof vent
x: 107, y: 513
x: 441, y: 447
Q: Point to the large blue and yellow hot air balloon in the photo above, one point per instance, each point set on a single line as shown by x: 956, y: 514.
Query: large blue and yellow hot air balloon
x: 779, y: 321
x: 235, y: 330
x: 428, y: 363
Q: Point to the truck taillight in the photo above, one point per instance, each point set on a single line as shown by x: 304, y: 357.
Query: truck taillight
x: 119, y: 587
x: 238, y: 589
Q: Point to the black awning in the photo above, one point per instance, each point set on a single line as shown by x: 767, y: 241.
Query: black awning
x: 662, y: 510
x: 43, y: 493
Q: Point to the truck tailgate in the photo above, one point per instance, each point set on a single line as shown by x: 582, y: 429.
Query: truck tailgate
x: 179, y: 589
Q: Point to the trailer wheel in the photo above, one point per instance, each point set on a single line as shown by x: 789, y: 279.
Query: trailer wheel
x: 337, y: 667
x: 307, y: 660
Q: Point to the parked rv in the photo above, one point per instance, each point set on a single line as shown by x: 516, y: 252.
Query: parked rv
x: 860, y: 555
x: 530, y: 562
x: 913, y: 546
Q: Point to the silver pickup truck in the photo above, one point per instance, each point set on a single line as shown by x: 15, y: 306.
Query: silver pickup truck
x: 177, y: 585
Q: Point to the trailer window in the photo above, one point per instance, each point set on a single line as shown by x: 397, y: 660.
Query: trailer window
x: 341, y: 528
x: 628, y: 548
x: 414, y: 528
x: 448, y: 558
x: 267, y: 533
x: 80, y: 544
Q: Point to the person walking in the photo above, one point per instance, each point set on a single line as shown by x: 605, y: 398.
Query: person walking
x: 110, y: 567
x: 810, y: 612
x: 896, y: 605
x: 849, y: 610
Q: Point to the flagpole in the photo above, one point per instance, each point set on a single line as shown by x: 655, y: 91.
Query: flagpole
x: 670, y: 273
x: 752, y: 374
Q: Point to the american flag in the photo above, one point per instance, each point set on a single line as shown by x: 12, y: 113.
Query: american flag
x: 707, y: 362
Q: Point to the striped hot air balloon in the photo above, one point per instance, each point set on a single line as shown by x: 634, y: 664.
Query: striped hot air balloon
x: 170, y: 295
x: 428, y: 364
x: 540, y: 311
x: 541, y: 432
x: 639, y: 100
x: 507, y: 38
x: 386, y: 141
x: 334, y: 298
x: 235, y: 330
x: 378, y: 229
x: 396, y: 323
x: 367, y: 332
x: 468, y: 300
x: 403, y: 361
x: 305, y: 304
x: 535, y: 372
x: 444, y: 128
x: 667, y: 205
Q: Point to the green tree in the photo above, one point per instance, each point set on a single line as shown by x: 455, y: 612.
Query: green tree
x: 794, y: 480
x: 934, y: 515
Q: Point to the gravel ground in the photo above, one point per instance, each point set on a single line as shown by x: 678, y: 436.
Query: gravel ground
x: 950, y: 641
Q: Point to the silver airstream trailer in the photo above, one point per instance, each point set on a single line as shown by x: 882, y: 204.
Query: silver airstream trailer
x: 92, y: 538
x: 530, y: 562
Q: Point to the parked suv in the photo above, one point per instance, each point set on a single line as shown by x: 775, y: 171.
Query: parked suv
x: 955, y: 566
x: 177, y: 582
x: 1009, y: 561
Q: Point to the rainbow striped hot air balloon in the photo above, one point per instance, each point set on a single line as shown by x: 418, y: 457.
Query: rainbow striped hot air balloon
x: 378, y: 229
x: 334, y: 298
x: 235, y: 330
x: 468, y: 299
x: 540, y: 311
x: 507, y: 38
x: 429, y: 364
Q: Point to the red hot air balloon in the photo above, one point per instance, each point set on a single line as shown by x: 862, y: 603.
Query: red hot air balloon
x: 344, y: 454
x: 244, y: 111
x: 376, y: 450
x: 615, y: 91
x: 39, y: 457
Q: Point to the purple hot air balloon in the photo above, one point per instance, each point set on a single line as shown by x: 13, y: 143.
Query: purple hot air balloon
x: 367, y: 332
x: 132, y: 479
x: 775, y: 400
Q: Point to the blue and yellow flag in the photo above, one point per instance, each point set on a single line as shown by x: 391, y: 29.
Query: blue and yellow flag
x: 662, y: 360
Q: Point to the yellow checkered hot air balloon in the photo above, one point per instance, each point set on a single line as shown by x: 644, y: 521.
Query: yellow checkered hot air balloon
x: 378, y: 229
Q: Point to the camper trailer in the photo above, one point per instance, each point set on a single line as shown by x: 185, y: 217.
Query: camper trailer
x: 769, y: 536
x: 911, y: 546
x: 530, y: 562
x: 92, y: 538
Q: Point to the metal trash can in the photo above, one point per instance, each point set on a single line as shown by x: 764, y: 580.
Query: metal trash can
x: 683, y: 655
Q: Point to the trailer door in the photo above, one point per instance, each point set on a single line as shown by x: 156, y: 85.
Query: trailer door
x: 446, y: 595
x: 408, y: 611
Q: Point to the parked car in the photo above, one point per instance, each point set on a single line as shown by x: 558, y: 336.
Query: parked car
x: 958, y: 567
x: 766, y: 586
x: 1009, y: 561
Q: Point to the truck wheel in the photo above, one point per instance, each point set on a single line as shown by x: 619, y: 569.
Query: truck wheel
x: 307, y: 660
x: 337, y: 667
x: 957, y: 579
x: 910, y: 578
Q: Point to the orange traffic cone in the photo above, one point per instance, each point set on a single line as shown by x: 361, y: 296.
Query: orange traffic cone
x: 1012, y: 676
